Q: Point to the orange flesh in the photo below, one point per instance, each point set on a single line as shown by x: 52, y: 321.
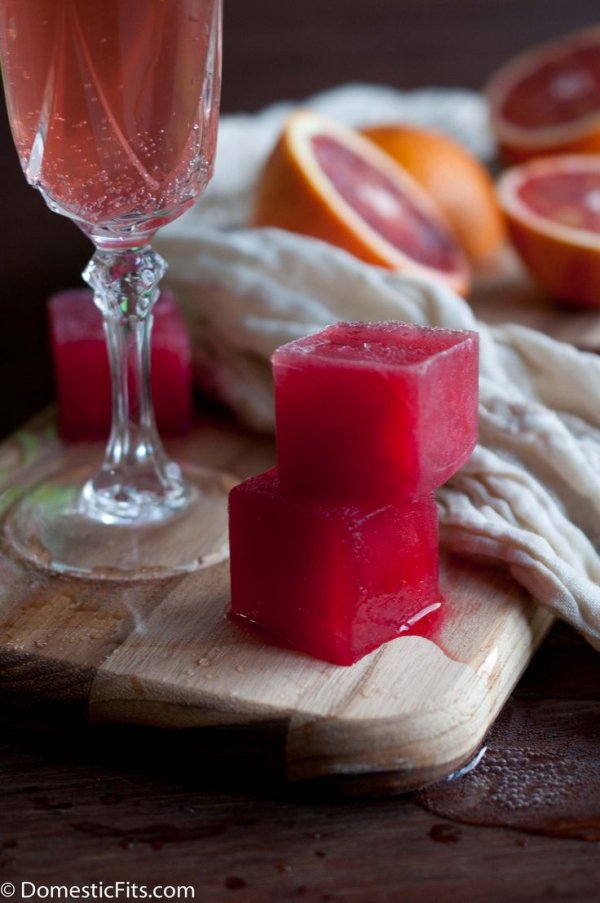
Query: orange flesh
x: 382, y: 204
x: 557, y: 92
x: 568, y: 198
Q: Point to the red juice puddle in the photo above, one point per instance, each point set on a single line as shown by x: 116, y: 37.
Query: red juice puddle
x: 540, y: 773
x: 427, y: 623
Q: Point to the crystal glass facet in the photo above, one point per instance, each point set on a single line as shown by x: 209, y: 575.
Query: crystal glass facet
x: 114, y: 109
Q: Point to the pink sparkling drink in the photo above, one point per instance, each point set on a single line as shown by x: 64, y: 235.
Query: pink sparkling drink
x: 110, y: 107
x: 113, y: 106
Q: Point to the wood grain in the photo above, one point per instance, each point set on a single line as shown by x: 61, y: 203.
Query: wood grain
x: 162, y: 653
x: 114, y: 802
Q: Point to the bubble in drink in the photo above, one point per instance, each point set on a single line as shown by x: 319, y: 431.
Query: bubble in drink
x: 113, y: 113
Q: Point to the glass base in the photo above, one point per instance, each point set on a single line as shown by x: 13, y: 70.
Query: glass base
x: 53, y: 528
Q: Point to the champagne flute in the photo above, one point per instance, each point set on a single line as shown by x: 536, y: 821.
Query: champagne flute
x: 113, y: 106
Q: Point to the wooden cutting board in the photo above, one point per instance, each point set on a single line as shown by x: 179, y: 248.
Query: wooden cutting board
x: 162, y: 653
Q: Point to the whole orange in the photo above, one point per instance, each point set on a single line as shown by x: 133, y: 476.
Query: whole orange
x: 454, y: 178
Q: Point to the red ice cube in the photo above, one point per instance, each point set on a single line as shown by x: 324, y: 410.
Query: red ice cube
x: 330, y: 579
x: 375, y: 411
x: 82, y: 373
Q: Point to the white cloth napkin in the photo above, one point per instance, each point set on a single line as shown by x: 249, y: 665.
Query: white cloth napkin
x: 529, y: 498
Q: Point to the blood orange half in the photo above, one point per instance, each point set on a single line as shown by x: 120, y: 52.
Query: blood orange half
x: 455, y: 179
x: 326, y: 180
x: 547, y: 100
x: 553, y: 210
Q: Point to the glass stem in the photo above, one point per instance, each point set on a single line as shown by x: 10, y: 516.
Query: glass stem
x: 137, y: 481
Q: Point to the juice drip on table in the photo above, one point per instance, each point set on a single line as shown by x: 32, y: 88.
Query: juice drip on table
x: 540, y: 769
x: 109, y: 104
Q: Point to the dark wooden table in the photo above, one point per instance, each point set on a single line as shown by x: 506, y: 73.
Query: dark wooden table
x: 80, y: 804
